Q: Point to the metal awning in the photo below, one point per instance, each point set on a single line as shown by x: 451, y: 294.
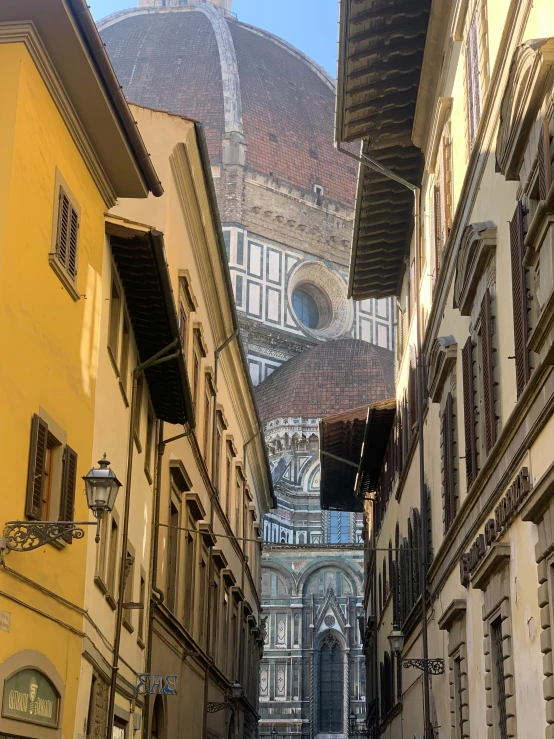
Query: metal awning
x: 380, y: 418
x: 341, y: 437
x: 141, y: 263
x: 381, y: 45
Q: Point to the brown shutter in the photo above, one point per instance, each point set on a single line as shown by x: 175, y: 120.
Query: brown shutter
x: 519, y: 294
x: 72, y: 253
x: 69, y: 481
x: 447, y: 184
x: 435, y: 267
x: 469, y: 411
x: 413, y: 288
x: 488, y: 376
x: 68, y: 231
x: 448, y: 462
x: 37, y: 466
x: 544, y: 161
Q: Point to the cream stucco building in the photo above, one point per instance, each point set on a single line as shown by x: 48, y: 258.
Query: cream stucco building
x: 457, y: 474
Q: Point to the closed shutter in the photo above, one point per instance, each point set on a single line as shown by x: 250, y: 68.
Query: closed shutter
x: 37, y: 467
x: 447, y: 185
x: 68, y: 232
x: 472, y: 77
x: 437, y: 212
x: 488, y: 374
x: 544, y: 161
x: 69, y: 481
x: 448, y: 462
x: 413, y: 288
x: 412, y: 389
x: 469, y: 411
x: 519, y: 294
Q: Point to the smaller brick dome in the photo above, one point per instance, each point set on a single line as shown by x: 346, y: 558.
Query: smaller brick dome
x: 330, y: 378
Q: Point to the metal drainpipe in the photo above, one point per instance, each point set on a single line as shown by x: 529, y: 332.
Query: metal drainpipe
x: 366, y: 161
x: 214, y: 491
x: 159, y: 358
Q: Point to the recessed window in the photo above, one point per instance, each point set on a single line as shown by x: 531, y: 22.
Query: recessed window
x: 305, y: 308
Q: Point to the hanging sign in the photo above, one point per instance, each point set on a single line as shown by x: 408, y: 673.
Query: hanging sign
x: 156, y: 684
x: 29, y: 696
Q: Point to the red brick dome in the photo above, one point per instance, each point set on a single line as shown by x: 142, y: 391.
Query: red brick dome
x: 330, y: 378
x: 237, y: 81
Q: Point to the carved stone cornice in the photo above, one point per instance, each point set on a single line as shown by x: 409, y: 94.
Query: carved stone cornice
x: 441, y: 360
x: 477, y: 245
x: 531, y: 68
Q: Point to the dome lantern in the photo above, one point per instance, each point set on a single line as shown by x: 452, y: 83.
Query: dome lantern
x: 225, y: 5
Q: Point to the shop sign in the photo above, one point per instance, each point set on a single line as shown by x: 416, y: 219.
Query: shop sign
x: 29, y: 696
x: 156, y: 684
x: 495, y: 527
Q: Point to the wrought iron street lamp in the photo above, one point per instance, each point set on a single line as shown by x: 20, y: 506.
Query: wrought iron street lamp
x: 101, y: 487
x: 434, y: 666
x: 356, y: 729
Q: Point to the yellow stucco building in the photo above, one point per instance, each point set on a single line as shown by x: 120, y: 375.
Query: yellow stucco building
x: 68, y: 148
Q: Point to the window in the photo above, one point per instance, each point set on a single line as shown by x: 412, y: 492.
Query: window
x: 138, y: 409
x: 240, y: 250
x: 473, y: 79
x: 173, y: 551
x: 305, y: 308
x: 207, y: 420
x: 338, y: 527
x: 115, y: 317
x: 458, y: 699
x: 238, y: 290
x: 150, y: 426
x: 499, y: 687
x: 228, y: 470
x: 215, y: 619
x: 442, y: 203
x: 112, y: 557
x: 331, y: 673
x: 448, y: 462
x: 469, y: 411
x: 65, y: 237
x: 124, y: 360
x: 142, y: 611
x: 190, y: 568
x: 217, y: 456
x: 203, y: 597
x: 227, y: 241
x: 520, y: 298
x: 129, y: 588
x: 183, y: 324
x: 52, y: 475
x: 238, y: 501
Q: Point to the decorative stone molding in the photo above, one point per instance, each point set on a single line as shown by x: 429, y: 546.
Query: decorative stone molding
x: 453, y: 621
x: 441, y: 361
x: 532, y: 66
x: 497, y: 605
x: 478, y: 244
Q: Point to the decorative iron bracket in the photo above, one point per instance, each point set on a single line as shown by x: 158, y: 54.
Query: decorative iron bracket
x: 24, y: 536
x: 434, y: 666
x: 215, y: 707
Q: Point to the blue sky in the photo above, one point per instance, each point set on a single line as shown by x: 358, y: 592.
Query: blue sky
x: 310, y: 25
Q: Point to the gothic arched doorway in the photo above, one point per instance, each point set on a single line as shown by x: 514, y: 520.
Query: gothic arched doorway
x: 331, y: 678
x: 158, y: 719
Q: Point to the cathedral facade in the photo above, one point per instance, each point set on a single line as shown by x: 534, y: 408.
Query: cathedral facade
x: 286, y: 201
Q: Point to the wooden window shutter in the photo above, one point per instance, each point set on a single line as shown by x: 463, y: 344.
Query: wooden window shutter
x: 435, y: 267
x: 412, y: 389
x: 488, y: 374
x: 413, y: 287
x: 447, y: 185
x: 37, y: 466
x: 448, y: 462
x: 469, y: 411
x: 519, y: 294
x: 544, y: 161
x: 472, y: 76
x: 68, y: 232
x: 69, y: 481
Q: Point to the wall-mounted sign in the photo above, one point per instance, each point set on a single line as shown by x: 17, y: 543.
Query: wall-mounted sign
x: 495, y: 527
x: 29, y: 696
x: 154, y: 684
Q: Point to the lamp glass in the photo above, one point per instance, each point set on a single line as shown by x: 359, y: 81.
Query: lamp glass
x: 352, y: 720
x: 101, y: 487
x: 396, y: 640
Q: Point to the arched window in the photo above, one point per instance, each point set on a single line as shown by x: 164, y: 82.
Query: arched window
x: 302, y: 538
x: 305, y: 308
x: 331, y: 675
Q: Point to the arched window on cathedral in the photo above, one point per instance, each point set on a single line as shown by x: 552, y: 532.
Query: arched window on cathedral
x: 302, y: 538
x: 331, y: 676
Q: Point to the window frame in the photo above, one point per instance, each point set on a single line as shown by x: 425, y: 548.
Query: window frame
x: 61, y: 270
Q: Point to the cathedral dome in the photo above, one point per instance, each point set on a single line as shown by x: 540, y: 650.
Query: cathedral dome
x: 247, y: 87
x: 329, y: 378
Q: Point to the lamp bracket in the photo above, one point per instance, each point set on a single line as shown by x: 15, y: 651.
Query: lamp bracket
x: 434, y: 666
x: 214, y: 707
x: 24, y: 536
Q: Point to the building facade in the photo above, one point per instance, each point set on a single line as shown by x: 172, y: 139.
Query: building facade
x: 69, y: 148
x: 313, y: 673
x: 212, y: 483
x: 459, y: 535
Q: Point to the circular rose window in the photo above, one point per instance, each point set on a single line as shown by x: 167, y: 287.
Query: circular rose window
x: 317, y: 300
